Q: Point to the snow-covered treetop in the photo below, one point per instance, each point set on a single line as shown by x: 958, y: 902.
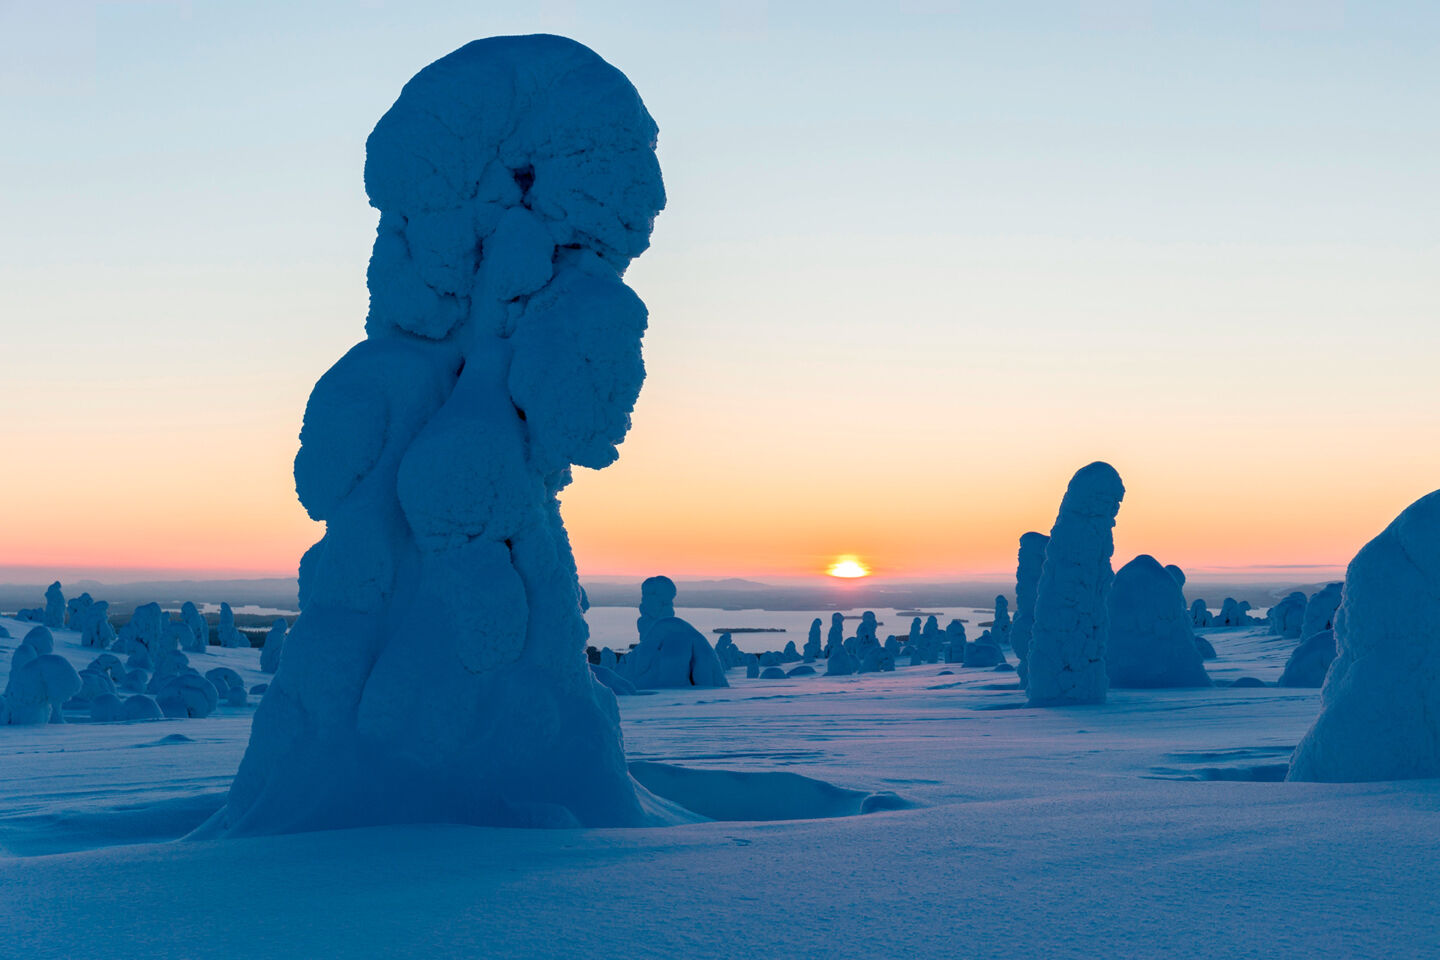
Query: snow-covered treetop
x: 492, y: 159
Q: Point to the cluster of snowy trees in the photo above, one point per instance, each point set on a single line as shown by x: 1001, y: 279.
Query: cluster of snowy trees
x: 150, y: 631
x: 435, y: 670
x: 155, y: 680
x: 1081, y: 628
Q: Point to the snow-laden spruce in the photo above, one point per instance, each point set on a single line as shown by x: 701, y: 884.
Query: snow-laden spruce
x: 728, y: 654
x: 54, y: 616
x: 1285, y: 618
x: 1066, y: 656
x: 1320, y: 610
x: 274, y: 645
x: 40, y: 681
x: 1150, y: 643
x: 229, y: 635
x: 437, y: 670
x: 1234, y: 613
x: 77, y: 609
x: 1029, y: 562
x: 1200, y: 615
x: 930, y: 640
x: 1000, y: 625
x: 190, y: 615
x: 835, y: 636
x: 955, y: 642
x: 1380, y: 706
x: 671, y: 652
x: 840, y: 662
x: 813, y: 650
x: 143, y: 638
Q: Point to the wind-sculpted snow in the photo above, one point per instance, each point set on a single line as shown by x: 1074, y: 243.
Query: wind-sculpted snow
x: 671, y: 652
x: 1150, y: 643
x: 1030, y: 561
x: 1380, y: 706
x: 1066, y: 656
x: 437, y: 671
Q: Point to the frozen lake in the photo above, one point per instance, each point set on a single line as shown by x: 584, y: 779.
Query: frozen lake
x: 614, y: 627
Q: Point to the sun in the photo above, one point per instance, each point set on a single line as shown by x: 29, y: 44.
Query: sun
x: 848, y: 567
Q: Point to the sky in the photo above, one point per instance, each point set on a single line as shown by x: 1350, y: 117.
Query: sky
x: 920, y: 262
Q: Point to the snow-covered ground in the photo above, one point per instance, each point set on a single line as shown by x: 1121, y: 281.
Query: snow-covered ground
x: 1147, y: 827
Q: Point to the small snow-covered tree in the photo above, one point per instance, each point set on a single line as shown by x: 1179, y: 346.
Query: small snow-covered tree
x: 1029, y: 562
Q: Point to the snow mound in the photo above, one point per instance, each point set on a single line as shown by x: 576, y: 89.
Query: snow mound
x: 1150, y: 643
x: 1380, y: 706
x: 437, y: 671
x: 1310, y: 661
x: 187, y: 695
x: 1066, y: 657
x: 615, y: 683
x: 737, y: 795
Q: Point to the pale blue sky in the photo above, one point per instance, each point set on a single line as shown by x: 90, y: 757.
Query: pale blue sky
x: 981, y: 242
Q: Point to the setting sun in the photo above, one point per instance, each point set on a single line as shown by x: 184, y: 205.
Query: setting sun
x: 848, y: 567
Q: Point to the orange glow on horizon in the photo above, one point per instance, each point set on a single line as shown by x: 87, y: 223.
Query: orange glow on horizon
x: 847, y: 567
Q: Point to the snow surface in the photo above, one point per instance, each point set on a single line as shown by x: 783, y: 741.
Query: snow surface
x: 1150, y: 826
